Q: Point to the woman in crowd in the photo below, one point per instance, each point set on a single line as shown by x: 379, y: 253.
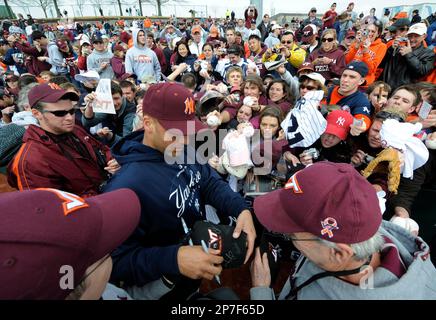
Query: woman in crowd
x: 182, y: 54
x: 369, y: 49
x: 329, y: 61
x: 278, y: 93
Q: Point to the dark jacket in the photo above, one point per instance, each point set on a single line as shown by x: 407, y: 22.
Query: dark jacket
x: 161, y: 57
x: 43, y: 162
x: 167, y: 192
x: 399, y: 70
x: 409, y: 188
x: 120, y: 123
x: 264, y: 31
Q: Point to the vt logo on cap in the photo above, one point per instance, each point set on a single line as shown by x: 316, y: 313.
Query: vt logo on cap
x: 54, y: 86
x: 293, y: 184
x: 71, y: 202
x: 189, y: 106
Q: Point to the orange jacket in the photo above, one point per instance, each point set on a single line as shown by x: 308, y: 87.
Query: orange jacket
x: 147, y: 23
x: 372, y: 58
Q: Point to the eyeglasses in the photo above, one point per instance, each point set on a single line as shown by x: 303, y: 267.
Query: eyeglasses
x: 60, y: 113
x: 310, y: 88
x: 327, y: 39
x: 288, y: 42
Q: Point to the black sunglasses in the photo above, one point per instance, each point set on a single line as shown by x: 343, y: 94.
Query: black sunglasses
x: 60, y: 113
x: 288, y: 42
x: 327, y: 39
x: 352, y: 37
x: 310, y: 88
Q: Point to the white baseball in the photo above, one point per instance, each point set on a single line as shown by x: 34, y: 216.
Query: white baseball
x: 213, y: 121
x: 248, y: 101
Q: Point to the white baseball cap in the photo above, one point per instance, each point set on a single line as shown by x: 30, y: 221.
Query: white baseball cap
x: 418, y: 28
x: 87, y: 76
x: 276, y: 26
x: 314, y: 76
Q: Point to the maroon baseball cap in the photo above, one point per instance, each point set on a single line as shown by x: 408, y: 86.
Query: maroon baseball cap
x: 173, y: 106
x: 43, y: 230
x: 49, y: 92
x: 329, y: 200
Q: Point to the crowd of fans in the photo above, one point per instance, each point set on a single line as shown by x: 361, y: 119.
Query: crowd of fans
x: 307, y: 109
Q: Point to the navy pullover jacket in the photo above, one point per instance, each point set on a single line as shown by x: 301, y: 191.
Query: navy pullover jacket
x: 166, y: 192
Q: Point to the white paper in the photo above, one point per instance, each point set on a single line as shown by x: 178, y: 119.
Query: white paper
x: 103, y: 102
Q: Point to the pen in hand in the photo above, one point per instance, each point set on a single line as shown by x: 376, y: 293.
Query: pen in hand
x: 206, y: 249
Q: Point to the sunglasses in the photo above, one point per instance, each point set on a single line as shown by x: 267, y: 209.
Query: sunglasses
x: 288, y: 42
x: 310, y: 88
x: 60, y: 113
x: 352, y: 38
x: 327, y: 39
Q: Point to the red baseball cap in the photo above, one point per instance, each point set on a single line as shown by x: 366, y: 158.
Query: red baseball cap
x: 43, y: 230
x: 49, y: 92
x: 329, y: 200
x: 173, y: 106
x: 338, y: 123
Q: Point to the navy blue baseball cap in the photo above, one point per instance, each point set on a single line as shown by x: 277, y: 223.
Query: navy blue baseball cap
x: 358, y: 66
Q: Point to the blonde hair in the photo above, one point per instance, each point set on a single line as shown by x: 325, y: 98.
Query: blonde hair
x: 333, y: 33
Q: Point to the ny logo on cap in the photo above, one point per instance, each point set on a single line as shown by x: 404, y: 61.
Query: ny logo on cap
x: 340, y: 121
x: 329, y: 225
x: 54, y: 86
x: 293, y: 184
x: 189, y: 106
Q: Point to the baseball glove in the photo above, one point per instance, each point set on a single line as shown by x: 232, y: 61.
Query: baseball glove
x: 387, y: 160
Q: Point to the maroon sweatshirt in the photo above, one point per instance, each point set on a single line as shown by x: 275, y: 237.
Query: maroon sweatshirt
x: 34, y: 66
x: 329, y: 71
x: 118, y: 67
x: 161, y: 57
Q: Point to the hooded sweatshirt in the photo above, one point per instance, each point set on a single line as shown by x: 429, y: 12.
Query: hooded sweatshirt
x: 95, y: 59
x: 412, y: 278
x: 56, y: 59
x: 167, y: 192
x: 372, y: 58
x: 141, y: 60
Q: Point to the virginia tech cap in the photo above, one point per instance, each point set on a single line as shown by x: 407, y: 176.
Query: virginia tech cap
x: 173, y: 106
x: 43, y: 230
x: 49, y: 92
x: 329, y: 200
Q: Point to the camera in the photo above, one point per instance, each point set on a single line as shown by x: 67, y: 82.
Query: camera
x: 365, y: 32
x: 403, y: 41
x: 312, y: 152
x: 367, y: 159
x: 275, y: 50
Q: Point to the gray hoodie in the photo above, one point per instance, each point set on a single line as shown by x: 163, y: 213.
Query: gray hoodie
x: 95, y: 59
x: 418, y: 283
x: 141, y: 60
x: 56, y: 59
